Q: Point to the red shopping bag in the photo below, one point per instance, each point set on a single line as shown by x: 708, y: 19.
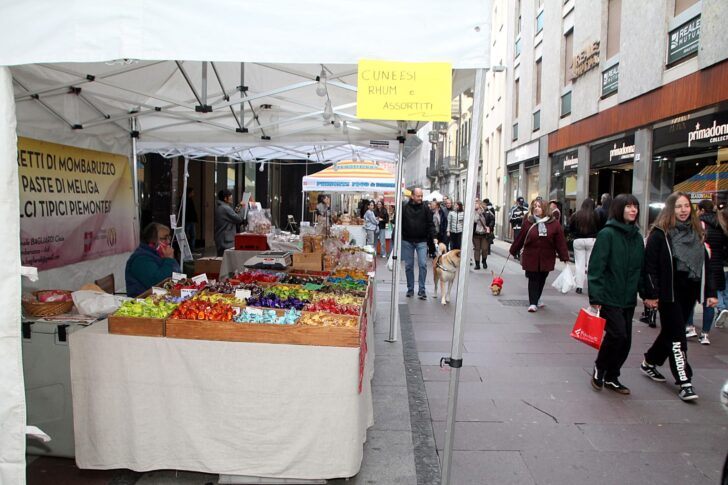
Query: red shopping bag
x: 589, y: 328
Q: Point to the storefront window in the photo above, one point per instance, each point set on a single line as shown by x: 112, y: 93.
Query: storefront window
x: 563, y: 182
x: 690, y: 154
x: 532, y: 182
x: 513, y: 184
x: 611, y: 167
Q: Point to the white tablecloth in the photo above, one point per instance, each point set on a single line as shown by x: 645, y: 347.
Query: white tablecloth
x: 284, y: 411
x: 235, y: 260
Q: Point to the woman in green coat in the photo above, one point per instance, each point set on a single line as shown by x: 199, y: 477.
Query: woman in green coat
x: 615, y: 277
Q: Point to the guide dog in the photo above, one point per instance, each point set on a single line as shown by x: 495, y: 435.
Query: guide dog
x: 445, y: 269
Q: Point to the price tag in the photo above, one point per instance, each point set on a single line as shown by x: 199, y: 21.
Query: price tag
x: 178, y: 276
x: 200, y: 278
x: 254, y: 311
x: 158, y: 291
x: 187, y: 292
x: 236, y: 311
x: 242, y: 294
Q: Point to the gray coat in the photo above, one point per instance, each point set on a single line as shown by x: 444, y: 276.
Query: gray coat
x: 226, y: 220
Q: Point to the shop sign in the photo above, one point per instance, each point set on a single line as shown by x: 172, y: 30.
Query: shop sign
x: 684, y: 40
x: 610, y: 80
x: 419, y: 91
x: 523, y: 152
x: 698, y: 196
x: 571, y: 163
x: 713, y: 134
x: 586, y: 60
x: 625, y: 151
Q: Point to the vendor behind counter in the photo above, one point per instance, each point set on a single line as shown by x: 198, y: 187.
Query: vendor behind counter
x: 152, y: 261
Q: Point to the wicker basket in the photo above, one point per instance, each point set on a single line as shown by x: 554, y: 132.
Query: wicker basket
x: 47, y: 309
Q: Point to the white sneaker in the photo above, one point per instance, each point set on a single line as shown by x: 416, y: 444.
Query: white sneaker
x: 541, y: 304
x: 704, y: 339
x: 690, y: 331
x: 722, y: 318
x: 532, y: 309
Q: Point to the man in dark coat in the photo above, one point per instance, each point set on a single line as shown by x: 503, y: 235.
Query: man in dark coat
x: 418, y: 236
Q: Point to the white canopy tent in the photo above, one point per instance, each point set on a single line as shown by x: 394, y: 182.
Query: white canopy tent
x: 82, y: 73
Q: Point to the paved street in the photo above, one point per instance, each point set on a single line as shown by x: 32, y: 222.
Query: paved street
x: 527, y: 413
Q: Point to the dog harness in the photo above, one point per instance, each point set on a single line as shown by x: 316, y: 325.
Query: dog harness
x: 439, y: 266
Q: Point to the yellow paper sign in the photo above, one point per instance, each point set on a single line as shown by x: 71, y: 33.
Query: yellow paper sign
x: 417, y: 91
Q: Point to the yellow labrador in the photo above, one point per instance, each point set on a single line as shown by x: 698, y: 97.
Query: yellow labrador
x: 445, y: 269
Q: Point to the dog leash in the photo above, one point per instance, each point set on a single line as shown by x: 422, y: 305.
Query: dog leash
x: 504, y: 265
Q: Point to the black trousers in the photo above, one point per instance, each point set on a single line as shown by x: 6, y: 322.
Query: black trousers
x: 536, y: 282
x: 671, y: 343
x: 456, y: 239
x: 617, y: 340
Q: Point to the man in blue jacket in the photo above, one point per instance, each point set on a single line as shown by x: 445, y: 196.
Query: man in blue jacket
x: 152, y: 262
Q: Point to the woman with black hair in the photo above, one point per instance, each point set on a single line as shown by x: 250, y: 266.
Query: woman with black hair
x: 583, y: 228
x: 226, y: 221
x: 675, y: 270
x: 615, y: 274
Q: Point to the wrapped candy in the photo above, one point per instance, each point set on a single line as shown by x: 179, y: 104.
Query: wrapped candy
x: 330, y: 306
x: 270, y: 300
x: 252, y: 315
x: 254, y: 276
x: 327, y: 320
x: 203, y: 310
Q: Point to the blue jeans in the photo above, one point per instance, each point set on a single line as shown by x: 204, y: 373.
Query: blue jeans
x: 709, y: 312
x: 408, y: 255
x: 383, y: 242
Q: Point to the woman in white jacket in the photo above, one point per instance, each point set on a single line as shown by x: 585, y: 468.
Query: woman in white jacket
x: 455, y: 220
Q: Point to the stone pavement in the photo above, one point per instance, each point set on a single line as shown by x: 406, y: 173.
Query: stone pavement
x: 527, y: 413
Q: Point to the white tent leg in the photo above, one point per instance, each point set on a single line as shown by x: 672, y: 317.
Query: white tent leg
x: 135, y: 168
x: 12, y: 392
x: 184, y: 210
x: 455, y: 361
x: 397, y: 239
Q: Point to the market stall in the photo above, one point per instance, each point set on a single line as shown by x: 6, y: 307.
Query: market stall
x: 107, y: 93
x: 352, y: 177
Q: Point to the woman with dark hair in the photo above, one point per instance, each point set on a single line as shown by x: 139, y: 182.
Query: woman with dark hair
x: 226, y: 221
x: 383, y: 217
x: 371, y: 224
x: 675, y: 265
x: 153, y: 260
x: 541, y: 238
x: 583, y: 227
x: 323, y: 209
x: 717, y: 244
x: 455, y: 220
x: 615, y: 276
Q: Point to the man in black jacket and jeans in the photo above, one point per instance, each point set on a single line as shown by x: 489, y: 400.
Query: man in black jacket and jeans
x: 418, y: 236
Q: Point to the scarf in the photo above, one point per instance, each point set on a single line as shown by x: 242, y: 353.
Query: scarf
x: 687, y: 250
x: 542, y: 230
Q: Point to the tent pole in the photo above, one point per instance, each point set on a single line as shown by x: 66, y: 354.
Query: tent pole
x: 135, y: 169
x: 397, y: 239
x: 455, y: 360
x: 184, y: 210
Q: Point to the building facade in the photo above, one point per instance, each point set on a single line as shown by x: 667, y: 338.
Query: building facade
x: 613, y: 96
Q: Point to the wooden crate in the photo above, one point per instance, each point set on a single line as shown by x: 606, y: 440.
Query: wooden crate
x: 264, y: 333
x: 147, y: 327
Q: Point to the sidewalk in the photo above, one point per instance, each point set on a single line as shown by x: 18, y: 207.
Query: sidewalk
x: 527, y: 413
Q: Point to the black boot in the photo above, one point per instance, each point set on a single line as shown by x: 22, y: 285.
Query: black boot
x: 477, y: 265
x: 485, y: 265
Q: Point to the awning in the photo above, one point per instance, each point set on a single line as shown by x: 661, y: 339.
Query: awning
x: 711, y: 179
x: 351, y: 176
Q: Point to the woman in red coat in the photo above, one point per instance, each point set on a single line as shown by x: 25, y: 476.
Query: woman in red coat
x: 541, y: 239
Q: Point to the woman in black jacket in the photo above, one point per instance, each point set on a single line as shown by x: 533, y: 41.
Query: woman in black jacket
x: 675, y: 266
x: 717, y: 244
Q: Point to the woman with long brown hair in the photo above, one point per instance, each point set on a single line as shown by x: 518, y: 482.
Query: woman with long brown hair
x: 675, y: 279
x: 541, y: 238
x: 583, y: 226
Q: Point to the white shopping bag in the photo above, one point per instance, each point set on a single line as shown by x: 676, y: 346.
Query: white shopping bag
x: 565, y: 282
x: 390, y: 262
x: 95, y: 303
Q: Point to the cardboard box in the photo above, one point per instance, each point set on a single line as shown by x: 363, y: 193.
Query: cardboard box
x: 308, y: 261
x: 209, y: 265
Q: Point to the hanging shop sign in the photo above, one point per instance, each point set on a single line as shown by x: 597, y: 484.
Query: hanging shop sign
x: 613, y: 152
x: 75, y: 204
x: 523, y: 152
x: 610, y: 80
x: 684, y: 40
x: 418, y: 91
x: 586, y: 60
x: 699, y: 132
